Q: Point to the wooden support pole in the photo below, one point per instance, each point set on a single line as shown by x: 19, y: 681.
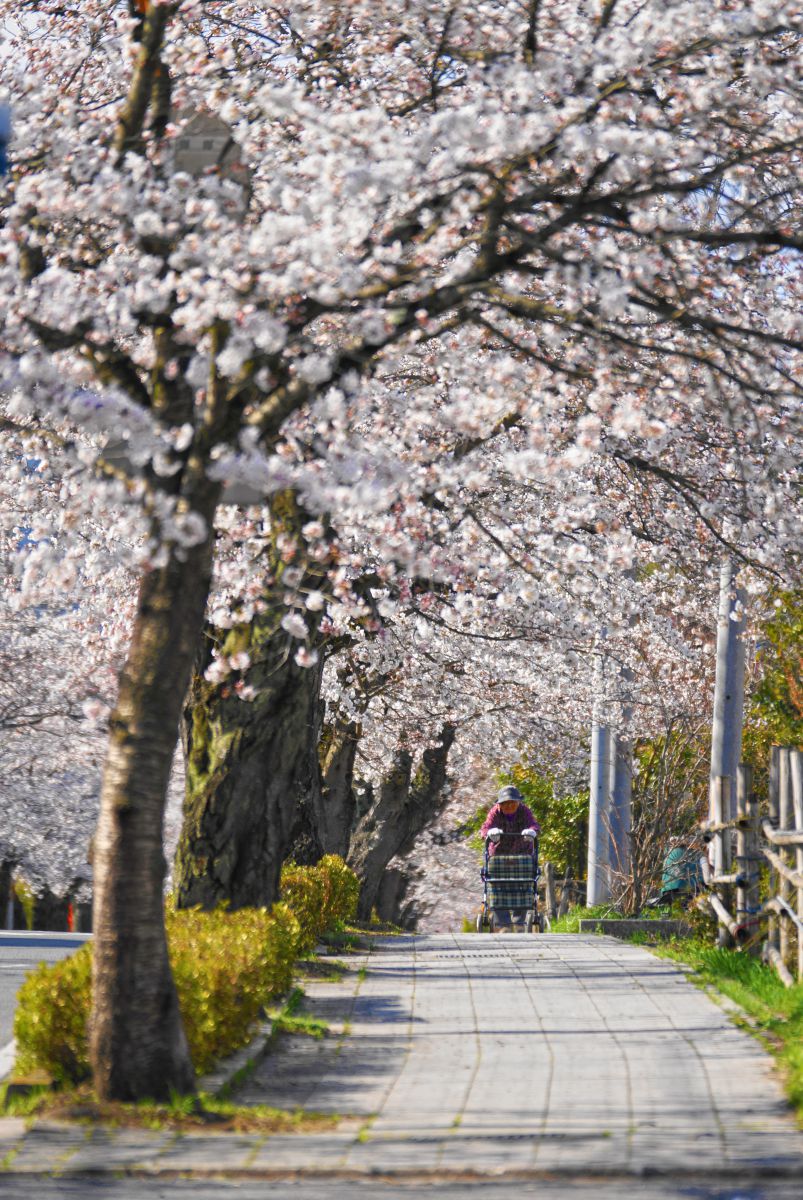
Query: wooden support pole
x: 796, y: 773
x: 752, y: 853
x: 711, y: 827
x: 720, y: 794
x: 782, y: 837
x: 775, y: 960
x: 778, y: 905
x: 722, y: 850
x: 773, y: 930
x: 786, y: 874
x: 723, y: 916
x: 784, y: 814
x: 549, y: 882
x: 743, y: 864
x: 565, y: 893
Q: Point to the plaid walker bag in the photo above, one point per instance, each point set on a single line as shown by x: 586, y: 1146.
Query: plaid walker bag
x: 510, y: 881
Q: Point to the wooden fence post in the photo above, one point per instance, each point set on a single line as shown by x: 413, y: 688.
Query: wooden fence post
x: 773, y: 934
x: 744, y: 851
x: 549, y: 880
x: 796, y: 773
x: 784, y: 821
x: 754, y: 858
x: 565, y: 893
x: 716, y: 814
x: 722, y: 851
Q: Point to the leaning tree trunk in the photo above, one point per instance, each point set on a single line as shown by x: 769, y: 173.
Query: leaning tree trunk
x: 137, y: 1042
x: 404, y: 807
x: 249, y: 772
x: 337, y: 800
x: 252, y: 772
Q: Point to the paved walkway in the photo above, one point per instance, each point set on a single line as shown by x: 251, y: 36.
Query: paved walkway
x: 508, y: 1056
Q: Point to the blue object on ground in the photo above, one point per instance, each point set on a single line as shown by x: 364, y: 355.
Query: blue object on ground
x: 681, y: 871
x: 5, y: 136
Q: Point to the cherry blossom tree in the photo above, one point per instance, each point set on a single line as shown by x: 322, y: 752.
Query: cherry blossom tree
x: 574, y: 226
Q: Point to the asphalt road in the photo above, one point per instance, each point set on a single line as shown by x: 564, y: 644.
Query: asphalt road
x: 20, y: 952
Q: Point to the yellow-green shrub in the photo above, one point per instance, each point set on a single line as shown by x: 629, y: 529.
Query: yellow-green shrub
x: 50, y: 1026
x: 342, y: 890
x: 302, y: 889
x: 320, y: 896
x: 227, y: 966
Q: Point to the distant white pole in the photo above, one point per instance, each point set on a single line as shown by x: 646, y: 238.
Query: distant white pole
x: 621, y: 756
x: 599, y: 884
x: 622, y: 780
x: 726, y: 738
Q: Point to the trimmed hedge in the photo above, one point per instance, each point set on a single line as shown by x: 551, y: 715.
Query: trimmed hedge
x: 227, y: 966
x: 50, y: 1025
x: 321, y: 896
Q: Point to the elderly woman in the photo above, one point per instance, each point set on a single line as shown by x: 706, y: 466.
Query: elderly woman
x: 510, y: 825
x: 511, y: 829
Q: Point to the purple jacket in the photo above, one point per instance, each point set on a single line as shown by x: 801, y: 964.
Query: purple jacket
x: 511, y: 827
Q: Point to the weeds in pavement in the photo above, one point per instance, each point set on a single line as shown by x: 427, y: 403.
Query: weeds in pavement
x: 290, y: 1020
x: 570, y: 923
x: 323, y: 970
x: 193, y: 1113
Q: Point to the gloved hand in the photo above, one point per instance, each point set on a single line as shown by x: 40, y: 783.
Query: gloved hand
x: 494, y: 834
x: 529, y: 833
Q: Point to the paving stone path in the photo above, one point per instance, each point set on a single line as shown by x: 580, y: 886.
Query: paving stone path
x: 514, y: 1057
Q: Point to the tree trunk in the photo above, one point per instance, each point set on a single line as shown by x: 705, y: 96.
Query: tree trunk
x: 138, y: 1047
x: 403, y: 809
x: 392, y: 904
x: 253, y: 780
x: 305, y: 845
x: 248, y: 770
x: 337, y: 799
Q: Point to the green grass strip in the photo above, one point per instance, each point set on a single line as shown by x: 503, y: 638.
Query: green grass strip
x: 776, y: 1011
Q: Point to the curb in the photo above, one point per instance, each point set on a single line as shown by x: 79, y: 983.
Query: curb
x: 240, y: 1062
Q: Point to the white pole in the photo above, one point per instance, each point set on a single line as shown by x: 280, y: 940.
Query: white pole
x: 599, y: 889
x: 621, y: 756
x: 621, y: 782
x: 726, y: 739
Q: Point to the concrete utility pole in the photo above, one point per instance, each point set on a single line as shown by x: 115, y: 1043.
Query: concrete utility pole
x: 621, y: 781
x: 599, y: 878
x: 726, y: 739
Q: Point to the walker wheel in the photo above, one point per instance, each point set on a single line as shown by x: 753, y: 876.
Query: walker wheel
x: 528, y: 923
x: 480, y: 921
x: 543, y: 923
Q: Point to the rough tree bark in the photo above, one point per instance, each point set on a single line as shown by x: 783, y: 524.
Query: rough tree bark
x: 248, y: 780
x: 137, y: 1042
x: 404, y: 807
x: 252, y: 772
x: 337, y: 800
